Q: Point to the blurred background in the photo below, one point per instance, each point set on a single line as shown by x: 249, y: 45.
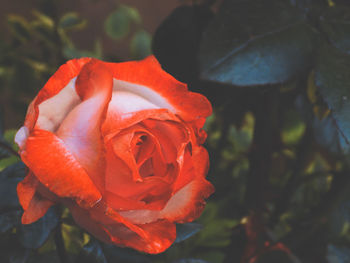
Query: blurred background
x: 277, y: 74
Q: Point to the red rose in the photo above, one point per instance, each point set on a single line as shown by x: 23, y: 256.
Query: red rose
x: 120, y: 145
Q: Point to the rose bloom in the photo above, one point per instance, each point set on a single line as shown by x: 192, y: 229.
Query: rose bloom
x: 119, y: 144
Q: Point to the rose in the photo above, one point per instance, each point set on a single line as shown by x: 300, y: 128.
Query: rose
x: 120, y: 145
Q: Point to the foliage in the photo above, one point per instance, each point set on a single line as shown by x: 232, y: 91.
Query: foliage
x: 279, y: 139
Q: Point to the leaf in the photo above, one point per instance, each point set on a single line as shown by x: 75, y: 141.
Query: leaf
x: 140, y: 45
x: 44, y: 19
x: 18, y: 255
x: 185, y: 231
x: 338, y: 32
x: 9, y: 220
x: 259, y: 42
x: 11, y: 251
x: 125, y: 255
x: 333, y: 80
x: 176, y: 41
x: 337, y: 254
x: 72, y: 21
x: 19, y: 27
x: 9, y: 179
x: 117, y: 24
x: 34, y: 235
x: 190, y: 260
x: 92, y: 253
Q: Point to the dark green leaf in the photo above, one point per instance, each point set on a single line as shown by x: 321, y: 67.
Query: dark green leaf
x: 19, y: 27
x: 92, y: 253
x: 185, y: 231
x: 34, y: 235
x: 125, y: 255
x: 51, y: 257
x: 275, y: 256
x: 140, y: 46
x: 176, y: 41
x: 9, y: 179
x: 333, y: 79
x: 71, y: 21
x: 19, y: 255
x: 1, y: 124
x: 117, y: 24
x: 11, y: 251
x: 256, y: 43
x: 190, y: 260
x: 339, y: 34
x: 9, y: 219
x: 337, y: 254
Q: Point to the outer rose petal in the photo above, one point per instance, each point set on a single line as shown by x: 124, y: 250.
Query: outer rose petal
x: 48, y: 158
x: 33, y: 204
x: 37, y: 208
x: 159, y: 88
x: 81, y: 129
x: 53, y: 86
x: 161, y: 234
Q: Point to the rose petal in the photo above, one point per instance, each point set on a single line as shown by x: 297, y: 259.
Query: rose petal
x: 158, y: 88
x: 54, y: 165
x: 160, y: 235
x: 36, y: 209
x: 55, y: 109
x: 81, y: 129
x: 188, y: 203
x: 53, y: 86
x: 26, y: 190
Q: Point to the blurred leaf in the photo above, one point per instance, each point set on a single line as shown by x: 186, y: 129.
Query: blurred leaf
x: 19, y: 27
x: 51, y: 257
x: 92, y: 253
x: 70, y: 52
x: 185, y: 231
x: 140, y: 45
x: 339, y: 34
x: 9, y: 179
x: 337, y: 254
x: 1, y: 124
x: 72, y: 21
x: 117, y: 24
x: 176, y: 41
x: 18, y: 255
x: 44, y: 19
x: 293, y: 128
x: 216, y: 232
x: 190, y: 260
x: 9, y: 219
x: 73, y: 237
x: 34, y: 235
x: 11, y: 250
x: 125, y: 255
x: 256, y: 43
x: 333, y: 79
x: 275, y: 256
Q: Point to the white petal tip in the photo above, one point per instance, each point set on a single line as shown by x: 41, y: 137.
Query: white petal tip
x: 21, y: 137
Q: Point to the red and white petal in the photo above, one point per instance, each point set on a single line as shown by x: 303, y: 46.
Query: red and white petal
x: 55, y: 167
x: 54, y: 85
x: 147, y: 81
x: 36, y: 209
x: 26, y: 190
x: 81, y: 129
x: 55, y: 109
x: 188, y: 203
